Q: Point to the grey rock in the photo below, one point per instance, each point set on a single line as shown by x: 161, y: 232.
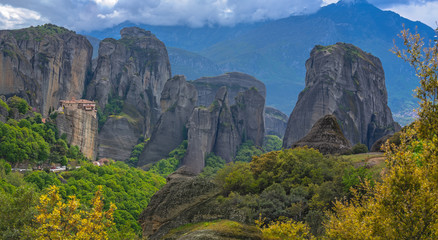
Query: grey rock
x: 202, y: 131
x: 275, y: 122
x: 377, y: 146
x: 343, y: 80
x: 117, y: 138
x: 326, y: 136
x: 248, y: 113
x: 178, y: 100
x: 234, y: 81
x: 44, y: 68
x: 221, y: 129
x: 134, y: 69
x: 184, y: 199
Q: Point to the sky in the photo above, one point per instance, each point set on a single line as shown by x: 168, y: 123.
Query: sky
x: 87, y: 15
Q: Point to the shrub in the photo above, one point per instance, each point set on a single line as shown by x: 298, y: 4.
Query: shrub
x: 360, y: 148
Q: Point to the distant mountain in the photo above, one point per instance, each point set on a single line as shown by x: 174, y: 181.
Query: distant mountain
x: 275, y: 51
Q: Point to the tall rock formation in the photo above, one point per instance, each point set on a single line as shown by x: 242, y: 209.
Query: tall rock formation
x: 221, y: 129
x: 248, y: 114
x: 133, y: 69
x: 178, y: 100
x: 43, y: 65
x: 275, y: 122
x: 234, y: 81
x: 349, y: 83
x: 79, y: 123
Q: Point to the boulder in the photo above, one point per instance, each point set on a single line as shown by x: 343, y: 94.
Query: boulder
x: 326, y: 136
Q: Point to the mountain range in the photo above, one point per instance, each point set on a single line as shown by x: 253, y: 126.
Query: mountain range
x: 274, y: 51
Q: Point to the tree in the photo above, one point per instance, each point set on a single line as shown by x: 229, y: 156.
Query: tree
x: 57, y: 219
x: 288, y: 229
x: 404, y: 205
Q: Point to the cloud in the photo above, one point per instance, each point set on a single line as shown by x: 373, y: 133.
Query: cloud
x: 97, y: 14
x: 11, y: 17
x: 83, y: 15
x: 425, y: 12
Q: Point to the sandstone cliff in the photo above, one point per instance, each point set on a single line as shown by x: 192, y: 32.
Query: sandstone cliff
x: 43, y: 64
x: 325, y: 136
x: 275, y: 122
x: 221, y: 129
x: 80, y: 126
x: 133, y: 69
x: 344, y: 81
x: 235, y: 82
x: 178, y: 100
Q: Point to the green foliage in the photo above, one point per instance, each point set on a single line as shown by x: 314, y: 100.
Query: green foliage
x: 113, y: 107
x: 19, y: 103
x: 19, y: 144
x: 213, y: 164
x: 272, y: 143
x: 17, y: 210
x: 4, y: 105
x: 359, y: 148
x: 166, y: 166
x: 136, y: 151
x: 299, y: 184
x: 246, y: 151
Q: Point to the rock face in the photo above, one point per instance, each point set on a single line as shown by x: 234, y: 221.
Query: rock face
x: 117, y: 138
x: 235, y: 82
x: 344, y: 81
x: 325, y: 136
x: 275, y: 122
x: 135, y: 70
x: 184, y: 199
x: 202, y: 131
x: 221, y: 129
x: 81, y: 129
x: 43, y: 65
x: 178, y: 100
x: 248, y: 114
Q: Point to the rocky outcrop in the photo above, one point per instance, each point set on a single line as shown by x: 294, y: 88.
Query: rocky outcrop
x: 81, y: 129
x: 326, y: 136
x: 178, y: 100
x: 184, y: 199
x: 235, y: 82
x: 135, y: 70
x: 275, y: 122
x: 248, y: 114
x: 202, y: 131
x: 43, y: 65
x: 349, y: 83
x: 120, y: 134
x: 221, y: 129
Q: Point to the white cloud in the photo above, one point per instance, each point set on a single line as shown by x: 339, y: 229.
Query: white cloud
x: 106, y: 3
x: 97, y: 14
x: 11, y: 17
x: 426, y: 12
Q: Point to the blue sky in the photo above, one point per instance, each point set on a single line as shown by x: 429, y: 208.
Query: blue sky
x: 84, y: 15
